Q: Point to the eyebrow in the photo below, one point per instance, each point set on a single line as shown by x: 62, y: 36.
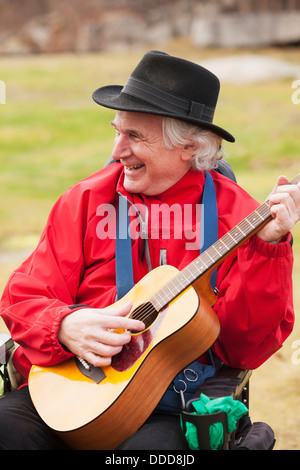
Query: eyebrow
x: 129, y: 131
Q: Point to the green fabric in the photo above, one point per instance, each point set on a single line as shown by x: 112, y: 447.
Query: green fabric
x: 234, y: 409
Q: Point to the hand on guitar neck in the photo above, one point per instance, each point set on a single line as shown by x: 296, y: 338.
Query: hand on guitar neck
x: 285, y: 209
x: 90, y: 333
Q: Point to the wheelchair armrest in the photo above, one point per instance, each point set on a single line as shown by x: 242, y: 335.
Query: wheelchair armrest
x: 7, y: 346
x: 227, y: 382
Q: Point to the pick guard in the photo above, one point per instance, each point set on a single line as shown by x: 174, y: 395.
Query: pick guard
x: 139, y: 343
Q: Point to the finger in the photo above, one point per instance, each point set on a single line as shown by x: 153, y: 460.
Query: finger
x: 116, y: 318
x: 284, y: 199
x: 105, y: 350
x: 283, y: 219
x: 120, y: 323
x: 112, y: 338
x: 120, y: 311
x: 290, y: 198
x: 293, y: 190
x: 97, y: 361
x: 124, y: 311
x: 100, y: 354
x: 281, y: 180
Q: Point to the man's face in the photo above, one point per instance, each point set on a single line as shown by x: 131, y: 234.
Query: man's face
x: 149, y: 167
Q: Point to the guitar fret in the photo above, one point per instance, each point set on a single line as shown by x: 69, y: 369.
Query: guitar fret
x: 160, y: 301
x: 253, y: 226
x: 205, y: 259
x: 213, y: 247
x: 263, y: 210
x: 210, y: 256
x: 233, y: 237
x: 168, y: 287
x: 195, y: 265
x: 155, y: 302
x: 245, y: 228
x: 220, y: 247
x: 226, y: 244
x: 186, y: 280
x: 256, y: 213
x: 239, y: 235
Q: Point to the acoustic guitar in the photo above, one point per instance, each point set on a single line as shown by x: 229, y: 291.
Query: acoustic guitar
x: 98, y: 408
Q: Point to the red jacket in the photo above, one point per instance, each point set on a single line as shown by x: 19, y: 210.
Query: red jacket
x: 72, y: 265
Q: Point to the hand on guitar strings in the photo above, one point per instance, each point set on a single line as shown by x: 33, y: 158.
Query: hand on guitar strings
x: 285, y: 209
x: 98, y: 334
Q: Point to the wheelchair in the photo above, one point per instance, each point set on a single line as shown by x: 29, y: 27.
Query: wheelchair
x: 227, y: 382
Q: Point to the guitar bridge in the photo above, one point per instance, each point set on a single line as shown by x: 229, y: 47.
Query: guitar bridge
x: 92, y: 372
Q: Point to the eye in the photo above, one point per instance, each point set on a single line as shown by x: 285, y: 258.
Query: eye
x: 136, y: 136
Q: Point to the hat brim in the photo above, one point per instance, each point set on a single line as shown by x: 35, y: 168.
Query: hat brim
x: 111, y: 97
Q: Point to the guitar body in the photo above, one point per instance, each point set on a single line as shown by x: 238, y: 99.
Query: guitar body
x: 89, y: 415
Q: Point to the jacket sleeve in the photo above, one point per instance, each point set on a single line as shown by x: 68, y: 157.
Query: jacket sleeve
x: 39, y: 293
x: 255, y: 305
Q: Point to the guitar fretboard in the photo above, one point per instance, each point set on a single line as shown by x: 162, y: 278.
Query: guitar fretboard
x: 214, y: 255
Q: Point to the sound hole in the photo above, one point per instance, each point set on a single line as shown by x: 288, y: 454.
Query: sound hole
x: 145, y: 313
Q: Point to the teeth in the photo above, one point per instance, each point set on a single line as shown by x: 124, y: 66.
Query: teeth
x: 133, y: 167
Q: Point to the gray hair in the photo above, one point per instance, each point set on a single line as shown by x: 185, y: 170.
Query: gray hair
x: 208, y: 148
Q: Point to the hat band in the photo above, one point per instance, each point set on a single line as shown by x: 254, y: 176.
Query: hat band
x: 167, y: 102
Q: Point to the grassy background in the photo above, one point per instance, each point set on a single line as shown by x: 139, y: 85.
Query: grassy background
x: 52, y: 134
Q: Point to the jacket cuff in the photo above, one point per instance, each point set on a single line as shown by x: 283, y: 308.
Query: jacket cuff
x: 59, y: 349
x: 278, y: 250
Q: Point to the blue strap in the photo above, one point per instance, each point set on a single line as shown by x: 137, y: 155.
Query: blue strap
x: 209, y: 235
x: 209, y: 220
x: 124, y: 268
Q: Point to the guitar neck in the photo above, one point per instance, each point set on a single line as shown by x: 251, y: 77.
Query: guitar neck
x: 214, y: 255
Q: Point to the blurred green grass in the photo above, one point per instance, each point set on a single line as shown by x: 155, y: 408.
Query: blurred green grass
x: 52, y: 134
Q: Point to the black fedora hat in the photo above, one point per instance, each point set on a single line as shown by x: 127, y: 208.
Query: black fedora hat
x: 167, y: 86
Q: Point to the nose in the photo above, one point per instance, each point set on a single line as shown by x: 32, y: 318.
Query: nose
x: 122, y: 147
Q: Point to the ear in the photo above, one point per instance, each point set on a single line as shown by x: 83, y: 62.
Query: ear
x: 188, y: 151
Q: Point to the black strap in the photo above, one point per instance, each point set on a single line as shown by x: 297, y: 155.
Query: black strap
x: 171, y: 103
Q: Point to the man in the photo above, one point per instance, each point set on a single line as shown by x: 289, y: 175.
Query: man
x: 165, y: 145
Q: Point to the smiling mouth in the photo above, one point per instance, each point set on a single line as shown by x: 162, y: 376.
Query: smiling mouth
x: 133, y: 167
